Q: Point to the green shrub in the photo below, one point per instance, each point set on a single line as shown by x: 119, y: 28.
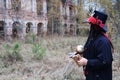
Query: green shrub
x: 38, y: 51
x: 12, y: 53
x: 16, y: 52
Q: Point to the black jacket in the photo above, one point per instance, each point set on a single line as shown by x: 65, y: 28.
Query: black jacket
x: 99, y: 55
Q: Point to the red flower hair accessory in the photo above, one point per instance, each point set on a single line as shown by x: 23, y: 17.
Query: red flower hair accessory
x: 96, y: 21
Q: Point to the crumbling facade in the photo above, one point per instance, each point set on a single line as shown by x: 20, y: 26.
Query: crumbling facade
x: 21, y: 17
x: 68, y: 16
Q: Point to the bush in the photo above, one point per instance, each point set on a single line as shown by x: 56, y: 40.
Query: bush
x: 16, y: 52
x: 12, y: 53
x: 38, y: 51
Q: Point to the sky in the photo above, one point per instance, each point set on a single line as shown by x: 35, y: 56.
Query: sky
x: 95, y: 6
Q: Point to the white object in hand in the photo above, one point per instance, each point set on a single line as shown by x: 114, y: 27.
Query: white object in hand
x: 79, y: 48
x: 72, y: 54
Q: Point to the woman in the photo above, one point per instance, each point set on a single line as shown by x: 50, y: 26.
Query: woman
x: 97, y: 57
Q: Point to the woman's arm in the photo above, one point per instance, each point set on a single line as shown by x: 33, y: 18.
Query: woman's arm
x: 104, y: 58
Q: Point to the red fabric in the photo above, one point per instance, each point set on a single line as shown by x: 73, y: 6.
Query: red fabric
x: 96, y: 21
x: 92, y: 20
x: 109, y: 41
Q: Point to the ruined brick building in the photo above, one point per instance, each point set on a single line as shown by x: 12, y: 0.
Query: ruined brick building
x: 20, y: 17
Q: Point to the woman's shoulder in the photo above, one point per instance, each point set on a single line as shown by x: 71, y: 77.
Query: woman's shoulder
x: 102, y: 39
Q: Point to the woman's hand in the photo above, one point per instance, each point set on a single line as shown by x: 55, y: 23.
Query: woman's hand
x: 83, y: 61
x: 77, y: 58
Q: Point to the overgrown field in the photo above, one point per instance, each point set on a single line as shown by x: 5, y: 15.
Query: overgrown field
x: 45, y: 59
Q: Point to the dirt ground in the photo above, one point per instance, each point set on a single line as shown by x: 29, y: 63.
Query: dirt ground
x: 55, y: 65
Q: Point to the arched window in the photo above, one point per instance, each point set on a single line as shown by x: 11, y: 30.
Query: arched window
x: 29, y: 25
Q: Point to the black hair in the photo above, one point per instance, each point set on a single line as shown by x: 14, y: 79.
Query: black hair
x: 95, y: 31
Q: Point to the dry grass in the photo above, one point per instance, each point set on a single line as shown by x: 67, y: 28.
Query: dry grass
x: 55, y: 65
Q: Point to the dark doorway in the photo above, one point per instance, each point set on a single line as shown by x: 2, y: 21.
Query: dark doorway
x: 2, y: 24
x: 39, y: 29
x: 28, y: 28
x: 16, y: 28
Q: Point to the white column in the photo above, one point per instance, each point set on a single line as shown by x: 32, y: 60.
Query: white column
x: 23, y: 29
x: 8, y: 4
x: 67, y: 11
x: 44, y: 7
x: 45, y: 23
x: 8, y: 28
x: 23, y: 5
x: 8, y: 31
x: 76, y: 10
x: 34, y: 6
